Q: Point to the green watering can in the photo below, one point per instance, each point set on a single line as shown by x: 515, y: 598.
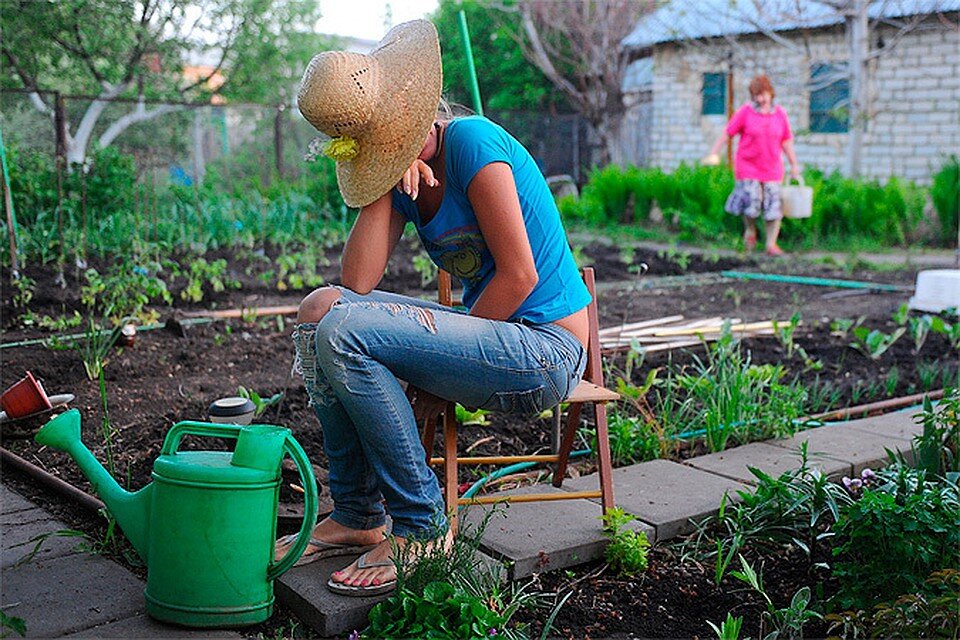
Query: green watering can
x: 207, y: 524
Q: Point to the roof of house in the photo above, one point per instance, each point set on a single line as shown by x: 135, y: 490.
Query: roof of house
x: 686, y: 19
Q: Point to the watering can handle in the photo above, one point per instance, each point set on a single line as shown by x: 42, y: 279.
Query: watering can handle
x: 172, y: 442
x: 309, y: 485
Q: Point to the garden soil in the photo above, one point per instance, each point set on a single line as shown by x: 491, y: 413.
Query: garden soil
x: 174, y: 373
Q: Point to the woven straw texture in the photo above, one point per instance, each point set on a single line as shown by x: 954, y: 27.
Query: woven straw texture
x: 386, y: 100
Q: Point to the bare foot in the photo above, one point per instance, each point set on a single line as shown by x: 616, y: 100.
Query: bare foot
x: 373, y: 574
x: 750, y: 241
x: 775, y: 251
x: 333, y: 532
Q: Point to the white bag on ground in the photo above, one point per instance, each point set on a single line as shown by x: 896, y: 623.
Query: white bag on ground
x: 796, y: 200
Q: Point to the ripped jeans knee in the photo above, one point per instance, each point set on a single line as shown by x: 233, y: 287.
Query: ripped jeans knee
x: 318, y: 389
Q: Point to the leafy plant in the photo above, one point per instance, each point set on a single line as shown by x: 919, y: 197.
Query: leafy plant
x: 202, y: 272
x: 945, y: 193
x: 929, y: 614
x: 841, y: 327
x: 786, y: 622
x: 919, y: 327
x: 950, y: 330
x: 95, y: 346
x: 467, y: 417
x: 873, y: 343
x: 894, y: 536
x: 786, y: 332
x: 729, y: 629
x: 442, y: 611
x: 425, y: 266
x: 627, y: 551
x: 258, y: 401
x: 12, y: 624
x: 937, y: 449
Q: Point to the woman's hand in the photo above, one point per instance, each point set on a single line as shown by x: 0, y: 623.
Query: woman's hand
x: 795, y: 173
x: 410, y: 182
x: 426, y: 406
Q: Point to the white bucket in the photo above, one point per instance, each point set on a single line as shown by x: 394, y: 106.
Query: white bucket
x: 796, y: 201
x: 937, y: 290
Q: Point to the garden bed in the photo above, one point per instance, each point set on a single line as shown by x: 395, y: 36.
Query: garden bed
x: 173, y: 373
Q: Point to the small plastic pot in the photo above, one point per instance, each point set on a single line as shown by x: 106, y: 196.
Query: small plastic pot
x: 233, y: 410
x: 24, y: 397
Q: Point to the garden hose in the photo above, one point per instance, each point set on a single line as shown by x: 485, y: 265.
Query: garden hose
x: 819, y: 282
x: 75, y: 336
x: 513, y: 468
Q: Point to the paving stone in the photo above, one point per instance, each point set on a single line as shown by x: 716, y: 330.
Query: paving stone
x: 543, y: 536
x: 734, y: 463
x: 665, y: 494
x: 69, y: 594
x: 11, y: 501
x: 21, y: 531
x: 143, y: 626
x: 843, y: 441
x: 901, y: 425
x: 304, y: 591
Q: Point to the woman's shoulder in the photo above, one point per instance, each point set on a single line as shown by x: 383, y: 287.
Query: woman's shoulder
x: 472, y: 126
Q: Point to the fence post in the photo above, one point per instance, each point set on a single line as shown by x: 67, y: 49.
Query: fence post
x: 60, y: 125
x: 278, y: 140
x: 11, y: 214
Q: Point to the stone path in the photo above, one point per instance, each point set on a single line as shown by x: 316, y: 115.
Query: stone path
x: 62, y: 593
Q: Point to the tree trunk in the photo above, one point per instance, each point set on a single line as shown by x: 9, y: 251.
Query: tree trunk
x: 858, y: 39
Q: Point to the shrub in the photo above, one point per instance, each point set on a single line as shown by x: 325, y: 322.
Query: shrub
x: 945, y: 192
x: 890, y: 540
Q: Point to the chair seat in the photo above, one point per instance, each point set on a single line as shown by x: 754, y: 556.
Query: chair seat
x: 589, y: 392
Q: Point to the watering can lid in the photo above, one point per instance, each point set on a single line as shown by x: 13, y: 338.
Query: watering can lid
x: 209, y: 467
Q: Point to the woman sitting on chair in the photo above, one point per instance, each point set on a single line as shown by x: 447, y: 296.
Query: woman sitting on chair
x: 484, y: 213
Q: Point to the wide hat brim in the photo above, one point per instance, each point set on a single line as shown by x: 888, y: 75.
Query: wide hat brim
x: 410, y: 80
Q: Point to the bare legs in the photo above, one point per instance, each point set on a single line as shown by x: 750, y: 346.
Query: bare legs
x: 772, y: 232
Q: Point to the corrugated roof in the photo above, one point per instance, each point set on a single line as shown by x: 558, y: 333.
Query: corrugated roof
x: 689, y: 19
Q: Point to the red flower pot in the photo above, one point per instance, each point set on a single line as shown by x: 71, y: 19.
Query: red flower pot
x: 24, y: 398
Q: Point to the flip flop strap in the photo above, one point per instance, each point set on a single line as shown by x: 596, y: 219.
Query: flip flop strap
x: 363, y: 564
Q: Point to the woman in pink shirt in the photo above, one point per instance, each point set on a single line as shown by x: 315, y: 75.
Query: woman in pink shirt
x: 758, y: 167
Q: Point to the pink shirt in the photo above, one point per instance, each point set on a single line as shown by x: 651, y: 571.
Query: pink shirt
x: 759, y: 151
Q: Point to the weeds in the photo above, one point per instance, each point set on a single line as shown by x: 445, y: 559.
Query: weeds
x: 260, y: 403
x: 874, y: 343
x: 627, y: 551
x: 786, y: 622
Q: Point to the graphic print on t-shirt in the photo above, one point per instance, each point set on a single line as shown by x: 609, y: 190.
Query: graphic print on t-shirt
x: 460, y: 252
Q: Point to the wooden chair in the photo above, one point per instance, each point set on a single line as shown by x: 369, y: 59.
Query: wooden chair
x: 591, y: 391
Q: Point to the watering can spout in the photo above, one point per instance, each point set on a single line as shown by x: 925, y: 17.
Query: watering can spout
x: 130, y: 509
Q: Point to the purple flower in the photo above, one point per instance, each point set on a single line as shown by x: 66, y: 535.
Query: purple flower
x: 493, y: 632
x: 868, y: 476
x: 354, y: 635
x: 854, y: 485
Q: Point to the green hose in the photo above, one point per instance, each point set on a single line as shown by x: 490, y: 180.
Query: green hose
x: 75, y: 336
x: 819, y: 282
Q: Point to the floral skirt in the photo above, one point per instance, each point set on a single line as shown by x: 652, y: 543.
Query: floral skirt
x: 751, y: 198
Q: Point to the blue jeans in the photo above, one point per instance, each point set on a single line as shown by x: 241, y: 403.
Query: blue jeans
x: 352, y: 362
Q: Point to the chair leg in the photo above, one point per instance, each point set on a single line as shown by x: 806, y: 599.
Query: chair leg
x: 427, y: 437
x: 573, y: 421
x: 450, y: 464
x: 604, y: 461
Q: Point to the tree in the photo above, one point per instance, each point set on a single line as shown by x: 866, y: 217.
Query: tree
x: 772, y: 18
x: 577, y: 46
x: 138, y: 49
x: 507, y: 81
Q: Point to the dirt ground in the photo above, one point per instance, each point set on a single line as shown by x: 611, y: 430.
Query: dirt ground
x: 174, y: 373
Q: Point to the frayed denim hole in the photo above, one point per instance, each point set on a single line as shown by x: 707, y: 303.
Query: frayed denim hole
x: 422, y: 315
x: 305, y: 364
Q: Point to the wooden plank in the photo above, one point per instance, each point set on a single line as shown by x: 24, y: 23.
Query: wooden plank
x: 617, y: 330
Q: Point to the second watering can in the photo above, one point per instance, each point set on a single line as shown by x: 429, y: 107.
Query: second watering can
x: 206, y: 525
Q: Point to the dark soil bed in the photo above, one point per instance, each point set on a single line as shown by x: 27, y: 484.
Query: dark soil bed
x: 172, y: 374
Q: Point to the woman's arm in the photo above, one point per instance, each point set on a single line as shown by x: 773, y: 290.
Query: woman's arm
x: 493, y: 194
x: 374, y: 235
x: 722, y: 140
x: 792, y: 157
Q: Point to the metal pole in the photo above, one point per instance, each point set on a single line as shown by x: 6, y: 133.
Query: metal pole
x: 278, y: 140
x: 11, y: 214
x: 60, y: 124
x: 471, y: 70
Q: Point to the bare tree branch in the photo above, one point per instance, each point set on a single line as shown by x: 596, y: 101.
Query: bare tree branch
x: 138, y: 114
x: 28, y: 83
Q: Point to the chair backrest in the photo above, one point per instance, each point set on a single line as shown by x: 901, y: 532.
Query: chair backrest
x: 594, y: 369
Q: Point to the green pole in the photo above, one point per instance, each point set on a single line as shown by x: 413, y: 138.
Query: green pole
x: 11, y: 214
x: 471, y: 70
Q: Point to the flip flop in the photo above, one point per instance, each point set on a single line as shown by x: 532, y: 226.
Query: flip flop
x: 322, y: 549
x: 356, y: 591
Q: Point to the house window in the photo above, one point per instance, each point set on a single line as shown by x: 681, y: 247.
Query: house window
x: 829, y: 99
x: 714, y: 94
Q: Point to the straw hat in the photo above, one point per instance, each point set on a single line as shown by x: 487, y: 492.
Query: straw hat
x: 377, y: 108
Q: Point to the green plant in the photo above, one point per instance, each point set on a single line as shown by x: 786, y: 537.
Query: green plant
x: 918, y: 328
x: 786, y: 622
x: 679, y: 258
x: 841, y: 327
x: 425, y: 266
x: 201, y: 272
x: 96, y: 344
x: 785, y: 333
x: 729, y: 629
x: 23, y: 291
x: 873, y: 343
x: 891, y: 381
x: 13, y: 624
x: 627, y: 550
x: 901, y: 315
x: 901, y: 529
x: 467, y: 417
x: 441, y: 611
x: 937, y: 449
x: 950, y: 330
x: 932, y: 613
x: 259, y: 401
x: 945, y: 193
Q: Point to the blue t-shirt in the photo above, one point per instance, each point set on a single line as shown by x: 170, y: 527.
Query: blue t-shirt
x: 453, y: 238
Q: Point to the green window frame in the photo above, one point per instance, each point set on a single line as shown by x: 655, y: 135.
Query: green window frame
x: 829, y: 99
x: 714, y: 94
